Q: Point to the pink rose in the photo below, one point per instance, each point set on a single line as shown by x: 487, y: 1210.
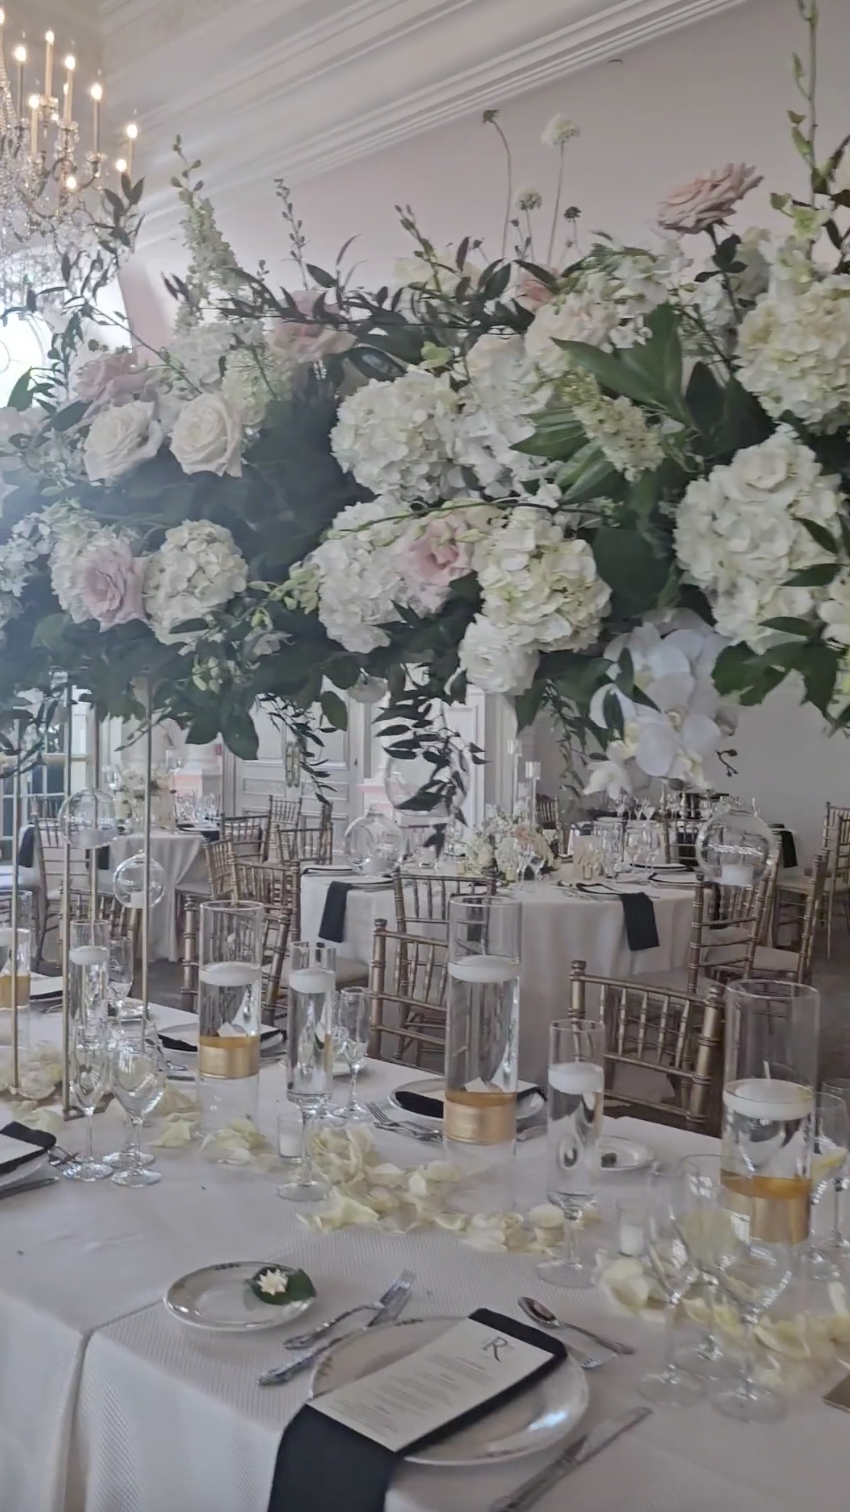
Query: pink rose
x: 531, y: 292
x: 707, y: 201
x: 306, y: 342
x: 110, y: 586
x: 112, y: 378
x: 429, y: 559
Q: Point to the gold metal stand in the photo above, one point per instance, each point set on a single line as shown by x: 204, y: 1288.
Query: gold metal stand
x: 67, y: 1111
x: 16, y: 900
x: 93, y: 864
x: 146, y: 874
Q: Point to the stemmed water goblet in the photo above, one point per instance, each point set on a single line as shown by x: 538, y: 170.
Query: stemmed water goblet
x: 829, y: 1162
x: 753, y: 1273
x: 701, y: 1223
x: 576, y: 1090
x: 138, y: 1081
x: 351, y: 1019
x: 676, y: 1272
x: 835, y: 1246
x: 90, y: 1079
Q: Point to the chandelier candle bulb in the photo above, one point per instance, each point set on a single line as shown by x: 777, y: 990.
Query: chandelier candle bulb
x: 70, y: 65
x: 96, y: 93
x: 20, y: 56
x: 35, y: 106
x: 49, y: 40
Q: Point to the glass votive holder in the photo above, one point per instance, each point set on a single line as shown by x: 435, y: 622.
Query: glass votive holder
x: 290, y: 1137
x: 631, y: 1227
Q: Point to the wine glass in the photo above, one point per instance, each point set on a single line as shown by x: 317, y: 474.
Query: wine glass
x: 676, y: 1272
x: 138, y: 1081
x: 120, y: 969
x: 89, y: 1068
x: 835, y: 1246
x: 309, y: 1057
x: 352, y: 1012
x: 753, y: 1273
x: 576, y: 1091
x: 829, y: 1162
x: 702, y: 1228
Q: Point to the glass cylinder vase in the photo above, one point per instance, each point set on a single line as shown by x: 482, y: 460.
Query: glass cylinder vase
x: 8, y: 954
x: 230, y: 975
x: 88, y: 970
x: 768, y: 1107
x: 482, y: 1030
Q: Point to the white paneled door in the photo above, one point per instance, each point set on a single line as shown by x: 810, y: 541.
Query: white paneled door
x: 249, y: 784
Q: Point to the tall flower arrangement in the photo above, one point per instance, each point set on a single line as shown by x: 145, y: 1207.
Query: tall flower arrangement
x: 610, y: 481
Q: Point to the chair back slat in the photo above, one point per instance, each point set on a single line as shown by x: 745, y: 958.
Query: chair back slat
x: 408, y: 980
x: 221, y: 869
x: 421, y: 898
x: 283, y: 812
x: 246, y: 831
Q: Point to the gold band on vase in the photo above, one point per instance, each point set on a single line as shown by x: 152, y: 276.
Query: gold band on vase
x: 480, y: 1117
x: 229, y: 1057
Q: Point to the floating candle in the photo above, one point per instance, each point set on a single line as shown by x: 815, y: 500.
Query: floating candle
x: 229, y: 974
x: 577, y: 1078
x: 770, y: 1099
x: 312, y: 980
x: 490, y: 971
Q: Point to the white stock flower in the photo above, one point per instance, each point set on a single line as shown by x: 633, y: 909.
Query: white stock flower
x: 794, y: 350
x: 542, y: 588
x: 254, y: 376
x: 617, y: 426
x: 358, y: 579
x: 494, y: 660
x: 207, y: 437
x: 119, y: 439
x: 439, y: 274
x: 197, y: 354
x: 559, y: 130
x: 196, y: 570
x: 739, y: 534
x: 398, y: 437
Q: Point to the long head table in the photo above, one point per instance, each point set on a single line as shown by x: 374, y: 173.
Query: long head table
x: 107, y: 1404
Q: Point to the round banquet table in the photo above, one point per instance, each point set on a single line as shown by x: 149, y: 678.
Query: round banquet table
x: 558, y: 927
x: 180, y: 853
x: 108, y: 1403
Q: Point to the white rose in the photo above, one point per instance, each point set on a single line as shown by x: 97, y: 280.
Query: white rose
x: 119, y: 439
x: 207, y: 437
x: 492, y: 659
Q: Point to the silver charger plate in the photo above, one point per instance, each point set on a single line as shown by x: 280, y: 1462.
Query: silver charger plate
x: 535, y: 1419
x: 25, y: 1172
x: 631, y: 1154
x: 271, y: 1042
x: 218, y: 1299
x: 528, y: 1109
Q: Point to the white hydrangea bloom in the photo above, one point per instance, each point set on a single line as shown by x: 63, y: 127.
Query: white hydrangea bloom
x: 794, y: 347
x: 358, y: 580
x: 617, y: 426
x: 504, y: 390
x: 196, y: 570
x: 542, y: 587
x: 739, y: 534
x: 710, y: 298
x: 31, y: 538
x: 606, y: 306
x: 495, y: 660
x: 398, y: 438
x: 198, y: 353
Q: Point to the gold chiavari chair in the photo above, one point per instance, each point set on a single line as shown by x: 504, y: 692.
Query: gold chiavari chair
x: 126, y: 922
x: 277, y: 927
x: 284, y: 813
x: 304, y: 842
x: 49, y: 859
x: 274, y: 884
x: 727, y: 924
x: 221, y: 867
x: 795, y: 965
x: 836, y: 890
x: 548, y: 816
x: 245, y: 833
x: 669, y: 1042
x: 422, y: 896
x: 408, y: 990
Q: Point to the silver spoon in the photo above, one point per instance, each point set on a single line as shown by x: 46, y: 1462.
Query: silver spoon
x: 540, y: 1314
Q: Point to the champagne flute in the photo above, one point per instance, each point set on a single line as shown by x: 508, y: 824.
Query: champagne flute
x: 89, y: 1067
x: 138, y: 1081
x: 702, y: 1228
x: 835, y: 1246
x: 753, y: 1273
x: 576, y: 1091
x: 309, y: 1057
x: 352, y: 1011
x: 676, y: 1272
x: 829, y: 1162
x: 119, y: 970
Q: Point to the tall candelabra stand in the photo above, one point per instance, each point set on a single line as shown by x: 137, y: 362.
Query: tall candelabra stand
x: 15, y: 909
x: 67, y: 1110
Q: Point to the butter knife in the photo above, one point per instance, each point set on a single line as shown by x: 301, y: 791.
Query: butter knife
x: 577, y: 1454
x: 390, y: 1307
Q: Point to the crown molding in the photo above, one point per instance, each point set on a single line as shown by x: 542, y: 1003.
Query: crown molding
x: 299, y: 87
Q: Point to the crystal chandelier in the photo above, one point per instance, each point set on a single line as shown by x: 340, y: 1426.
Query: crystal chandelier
x: 50, y: 181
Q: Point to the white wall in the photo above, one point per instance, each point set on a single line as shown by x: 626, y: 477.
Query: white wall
x: 694, y: 99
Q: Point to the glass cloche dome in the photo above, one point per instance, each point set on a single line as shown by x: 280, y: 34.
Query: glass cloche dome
x: 88, y: 819
x: 128, y: 882
x: 734, y: 846
x: 374, y: 844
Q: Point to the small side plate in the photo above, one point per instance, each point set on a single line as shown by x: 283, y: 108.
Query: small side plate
x: 631, y: 1155
x: 218, y: 1299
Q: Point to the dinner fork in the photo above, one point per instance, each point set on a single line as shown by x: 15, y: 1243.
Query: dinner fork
x: 305, y: 1340
x: 402, y: 1126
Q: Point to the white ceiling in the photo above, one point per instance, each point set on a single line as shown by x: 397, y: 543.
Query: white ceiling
x: 264, y: 88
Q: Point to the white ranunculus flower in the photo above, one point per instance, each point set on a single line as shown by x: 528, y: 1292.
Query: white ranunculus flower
x: 119, y: 439
x: 207, y: 437
x: 356, y: 573
x: 794, y: 349
x: 740, y: 536
x: 196, y: 570
x: 537, y: 584
x: 494, y: 660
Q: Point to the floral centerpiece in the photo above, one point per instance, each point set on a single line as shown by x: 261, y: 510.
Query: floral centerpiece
x: 502, y: 841
x: 128, y: 787
x: 608, y: 482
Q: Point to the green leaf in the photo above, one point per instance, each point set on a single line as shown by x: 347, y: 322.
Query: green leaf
x: 733, y: 668
x: 788, y: 625
x: 704, y: 398
x: 628, y: 564
x: 319, y: 276
x: 557, y: 437
x: 239, y: 734
x: 820, y: 670
x: 299, y: 1289
x: 72, y: 414
x: 527, y: 704
x: 820, y: 534
x: 334, y: 710
x: 589, y: 476
x: 21, y: 395
x: 815, y: 577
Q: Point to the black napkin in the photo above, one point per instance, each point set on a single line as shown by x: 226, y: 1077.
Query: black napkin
x: 787, y: 844
x: 434, y: 1107
x: 639, y: 918
x: 26, y: 849
x: 324, y: 1466
x: 37, y: 1137
x: 332, y: 926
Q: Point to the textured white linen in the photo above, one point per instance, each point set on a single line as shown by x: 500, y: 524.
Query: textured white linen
x: 558, y: 927
x: 178, y: 852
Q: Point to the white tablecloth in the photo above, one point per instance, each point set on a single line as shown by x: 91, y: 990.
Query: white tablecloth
x: 180, y: 854
x: 558, y: 927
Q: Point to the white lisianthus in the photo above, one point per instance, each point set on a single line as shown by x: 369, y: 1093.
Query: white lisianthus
x: 356, y: 573
x: 207, y: 437
x: 196, y: 570
x: 794, y: 349
x: 495, y: 660
x: 398, y: 438
x: 539, y: 586
x: 740, y: 536
x: 119, y: 439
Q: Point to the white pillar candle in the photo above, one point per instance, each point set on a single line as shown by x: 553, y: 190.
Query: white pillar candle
x: 290, y: 1138
x: 312, y: 980
x: 483, y: 970
x: 735, y: 875
x: 631, y: 1239
x: 577, y: 1078
x: 229, y: 974
x: 769, y: 1099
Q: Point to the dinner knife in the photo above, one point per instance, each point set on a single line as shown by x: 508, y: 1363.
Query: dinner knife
x: 32, y: 1185
x: 577, y: 1454
x: 390, y: 1307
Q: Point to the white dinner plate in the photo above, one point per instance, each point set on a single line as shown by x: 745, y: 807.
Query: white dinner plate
x: 329, y: 868
x: 218, y: 1299
x: 535, y: 1419
x: 270, y: 1041
x: 342, y: 1069
x: 631, y: 1154
x: 24, y: 1172
x: 433, y: 1086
